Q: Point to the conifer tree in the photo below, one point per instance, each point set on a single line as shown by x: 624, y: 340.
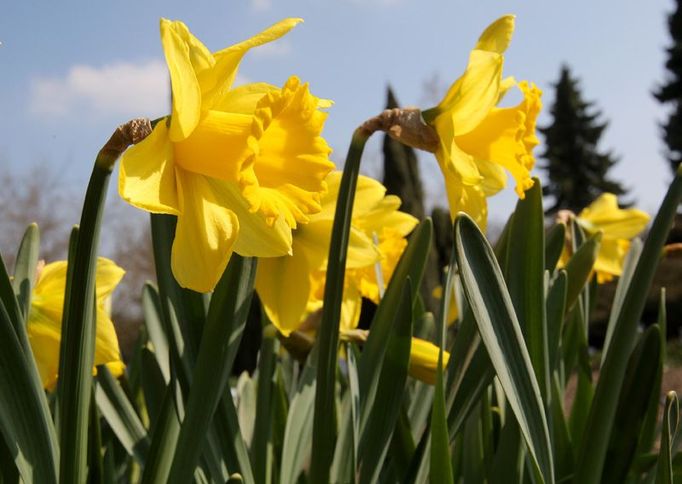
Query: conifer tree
x: 576, y: 168
x: 671, y: 92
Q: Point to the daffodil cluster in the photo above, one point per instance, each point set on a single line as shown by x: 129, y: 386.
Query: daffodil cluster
x: 239, y: 166
x: 292, y: 287
x: 617, y: 227
x: 478, y: 141
x: 45, y: 319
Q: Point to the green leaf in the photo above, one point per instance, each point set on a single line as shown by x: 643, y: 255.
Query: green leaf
x: 600, y: 423
x: 151, y: 304
x: 261, y: 444
x: 78, y: 331
x: 554, y: 245
x: 500, y: 332
x: 324, y: 423
x: 440, y: 465
x: 639, y: 384
x: 229, y: 304
x: 25, y: 267
x: 556, y: 309
x: 411, y: 265
x: 623, y: 282
x: 120, y: 415
x: 25, y: 421
x: 671, y: 418
x: 299, y: 428
x: 377, y: 427
x: 579, y: 268
x: 525, y: 279
x: 164, y: 437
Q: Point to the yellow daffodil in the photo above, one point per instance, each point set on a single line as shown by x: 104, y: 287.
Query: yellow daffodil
x: 617, y: 226
x: 479, y: 141
x: 45, y: 319
x: 240, y: 167
x: 292, y: 286
x: 424, y: 360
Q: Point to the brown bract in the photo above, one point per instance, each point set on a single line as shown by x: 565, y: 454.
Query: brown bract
x: 405, y: 125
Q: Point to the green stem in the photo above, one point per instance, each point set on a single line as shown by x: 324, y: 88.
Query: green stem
x: 78, y: 321
x: 324, y: 435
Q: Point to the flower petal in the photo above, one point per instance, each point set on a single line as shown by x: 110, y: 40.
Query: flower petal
x: 106, y: 341
x: 497, y: 36
x: 351, y: 305
x: 424, y: 360
x: 290, y: 158
x: 256, y: 237
x: 146, y: 176
x: 204, y: 234
x: 315, y: 237
x: 474, y: 94
x: 468, y: 199
x: 610, y: 258
x: 507, y: 137
x: 44, y: 335
x: 604, y: 215
x: 217, y: 146
x: 455, y: 162
x: 186, y: 57
x: 283, y: 285
x: 227, y: 60
x: 107, y: 277
x: 243, y: 99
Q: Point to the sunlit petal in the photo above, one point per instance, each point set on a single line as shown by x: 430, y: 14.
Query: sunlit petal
x: 204, y: 234
x: 146, y: 176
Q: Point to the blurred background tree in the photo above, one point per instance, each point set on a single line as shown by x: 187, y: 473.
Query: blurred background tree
x: 671, y: 92
x: 577, y: 170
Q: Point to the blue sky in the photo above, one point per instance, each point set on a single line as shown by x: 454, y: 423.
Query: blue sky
x: 73, y: 71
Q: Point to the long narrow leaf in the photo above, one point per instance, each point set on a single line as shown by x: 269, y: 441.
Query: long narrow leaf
x: 671, y: 419
x: 501, y: 334
x: 25, y: 267
x: 593, y: 446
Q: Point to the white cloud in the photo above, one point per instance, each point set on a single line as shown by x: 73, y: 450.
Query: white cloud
x: 261, y: 5
x: 278, y: 48
x: 121, y: 88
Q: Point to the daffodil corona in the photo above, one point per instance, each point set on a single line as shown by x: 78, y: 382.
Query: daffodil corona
x: 45, y: 319
x: 240, y: 167
x: 291, y: 287
x: 479, y: 141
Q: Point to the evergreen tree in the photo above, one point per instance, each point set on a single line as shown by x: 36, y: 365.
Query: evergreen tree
x: 576, y: 169
x: 671, y: 92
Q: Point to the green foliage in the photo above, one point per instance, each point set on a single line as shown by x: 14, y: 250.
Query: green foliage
x: 576, y: 168
x: 349, y: 411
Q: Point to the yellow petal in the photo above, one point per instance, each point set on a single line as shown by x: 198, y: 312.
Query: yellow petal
x: 474, y: 94
x: 107, y: 277
x: 204, y: 234
x: 290, y: 158
x: 385, y: 214
x: 315, y: 237
x: 604, y: 215
x: 507, y: 137
x: 187, y: 58
x: 243, y: 99
x: 51, y: 281
x: 468, y: 199
x: 424, y: 360
x: 44, y: 335
x: 497, y: 36
x: 146, y: 177
x: 227, y: 60
x: 494, y: 178
x: 610, y: 258
x: 283, y: 285
x: 368, y: 193
x: 453, y: 161
x: 106, y: 342
x: 256, y: 237
x: 217, y: 146
x: 350, y: 308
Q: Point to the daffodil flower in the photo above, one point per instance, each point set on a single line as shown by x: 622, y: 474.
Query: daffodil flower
x: 479, y: 141
x: 45, y: 319
x: 291, y: 287
x: 240, y: 167
x: 424, y: 360
x: 617, y: 226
